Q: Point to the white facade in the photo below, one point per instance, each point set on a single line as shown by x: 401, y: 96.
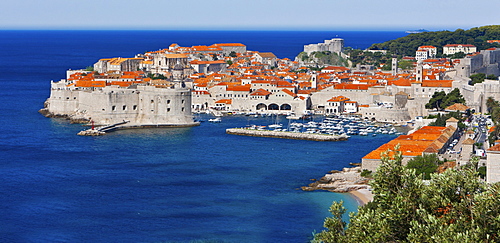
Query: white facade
x: 451, y: 49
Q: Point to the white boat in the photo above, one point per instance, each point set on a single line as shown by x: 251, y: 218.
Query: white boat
x: 216, y: 120
x: 275, y: 126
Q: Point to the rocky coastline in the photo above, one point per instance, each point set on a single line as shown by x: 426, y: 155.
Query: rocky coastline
x: 347, y: 180
x: 73, y: 119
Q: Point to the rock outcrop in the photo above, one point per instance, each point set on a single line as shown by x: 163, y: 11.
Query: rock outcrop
x: 349, y: 179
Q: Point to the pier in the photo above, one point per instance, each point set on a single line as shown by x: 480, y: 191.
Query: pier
x: 287, y: 135
x: 102, y: 130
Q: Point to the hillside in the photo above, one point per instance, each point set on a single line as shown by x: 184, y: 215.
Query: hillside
x: 406, y: 46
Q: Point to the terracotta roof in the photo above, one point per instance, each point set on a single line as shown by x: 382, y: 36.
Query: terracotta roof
x: 495, y: 148
x: 427, y: 139
x: 457, y: 107
x: 245, y: 88
x: 437, y: 83
x: 266, y: 54
x: 468, y: 141
x: 338, y: 99
x: 260, y: 92
x: 224, y: 101
x: 288, y: 92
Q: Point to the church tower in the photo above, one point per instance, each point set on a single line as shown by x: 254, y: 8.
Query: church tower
x: 394, y: 66
x: 420, y: 72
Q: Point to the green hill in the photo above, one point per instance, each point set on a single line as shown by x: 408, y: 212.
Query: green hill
x: 406, y: 46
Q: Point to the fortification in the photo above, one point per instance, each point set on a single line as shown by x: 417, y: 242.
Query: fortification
x: 139, y: 104
x: 334, y: 45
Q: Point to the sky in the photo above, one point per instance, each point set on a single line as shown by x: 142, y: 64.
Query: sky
x: 249, y: 14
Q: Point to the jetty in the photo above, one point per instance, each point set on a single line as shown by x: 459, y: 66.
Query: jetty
x: 287, y: 135
x: 102, y: 130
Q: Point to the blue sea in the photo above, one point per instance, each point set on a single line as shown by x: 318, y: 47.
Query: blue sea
x: 155, y: 185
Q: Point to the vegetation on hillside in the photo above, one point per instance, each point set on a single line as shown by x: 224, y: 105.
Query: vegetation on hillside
x: 407, y: 45
x: 454, y: 206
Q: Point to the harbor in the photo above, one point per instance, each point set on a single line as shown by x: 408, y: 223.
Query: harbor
x: 336, y: 128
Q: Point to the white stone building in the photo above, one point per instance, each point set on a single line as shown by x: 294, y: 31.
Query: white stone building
x: 451, y: 49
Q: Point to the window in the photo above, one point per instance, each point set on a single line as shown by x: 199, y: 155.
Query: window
x: 124, y: 107
x: 168, y: 109
x: 134, y: 107
x: 168, y: 101
x: 113, y: 108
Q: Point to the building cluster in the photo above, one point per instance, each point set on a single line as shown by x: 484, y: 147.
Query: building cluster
x: 227, y: 77
x: 164, y: 88
x: 425, y: 52
x: 426, y: 140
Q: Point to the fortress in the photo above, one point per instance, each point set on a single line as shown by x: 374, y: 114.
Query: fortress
x: 108, y: 101
x: 335, y: 45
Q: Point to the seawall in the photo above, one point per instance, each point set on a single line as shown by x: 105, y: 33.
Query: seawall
x: 287, y: 135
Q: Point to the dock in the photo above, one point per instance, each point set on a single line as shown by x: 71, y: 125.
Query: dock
x: 102, y: 130
x: 286, y: 135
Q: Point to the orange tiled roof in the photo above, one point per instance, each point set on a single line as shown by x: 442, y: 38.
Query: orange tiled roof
x: 457, y: 107
x: 437, y: 83
x: 260, y: 92
x: 426, y: 139
x: 224, y: 101
x: 495, y: 148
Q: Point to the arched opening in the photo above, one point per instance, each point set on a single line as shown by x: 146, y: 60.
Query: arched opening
x: 273, y: 107
x: 285, y: 107
x: 261, y: 106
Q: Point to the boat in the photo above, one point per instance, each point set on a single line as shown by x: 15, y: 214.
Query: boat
x: 215, y: 120
x: 275, y: 126
x: 293, y: 117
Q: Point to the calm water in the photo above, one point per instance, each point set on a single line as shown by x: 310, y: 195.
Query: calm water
x: 154, y: 185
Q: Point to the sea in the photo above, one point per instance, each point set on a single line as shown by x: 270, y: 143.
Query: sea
x: 195, y: 184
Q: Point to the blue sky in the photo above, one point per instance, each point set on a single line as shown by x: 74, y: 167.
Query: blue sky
x: 249, y: 14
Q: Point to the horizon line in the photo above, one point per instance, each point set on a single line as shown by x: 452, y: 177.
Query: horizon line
x: 108, y: 28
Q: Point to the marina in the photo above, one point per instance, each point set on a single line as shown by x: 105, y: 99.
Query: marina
x: 342, y: 126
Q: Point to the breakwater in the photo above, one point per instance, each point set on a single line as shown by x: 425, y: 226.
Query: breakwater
x: 287, y: 135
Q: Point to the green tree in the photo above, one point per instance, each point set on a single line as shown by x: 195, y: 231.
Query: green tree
x: 232, y: 54
x: 441, y: 100
x: 436, y: 100
x: 454, y: 206
x: 89, y: 68
x: 424, y: 165
x: 451, y: 98
x: 492, y: 77
x: 477, y: 78
x: 490, y: 103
